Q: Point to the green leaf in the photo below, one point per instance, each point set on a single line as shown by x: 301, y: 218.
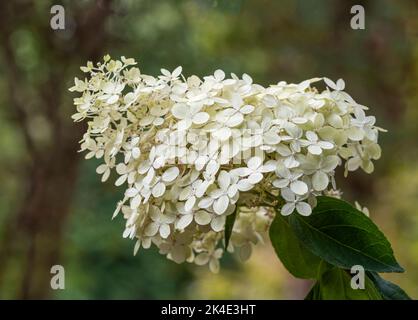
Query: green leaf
x: 298, y: 260
x: 344, y: 237
x: 229, y: 225
x: 388, y: 290
x: 314, y: 293
x: 335, y: 284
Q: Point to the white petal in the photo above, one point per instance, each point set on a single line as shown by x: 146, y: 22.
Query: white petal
x: 150, y: 175
x: 180, y: 111
x: 202, y: 217
x: 219, y: 74
x: 151, y: 229
x: 331, y: 84
x: 270, y: 100
x: 311, y: 136
x: 190, y: 203
x: 165, y: 72
x: 121, y: 168
x: 288, y: 195
x: 121, y: 180
x: 254, y: 163
x: 283, y: 150
x: 155, y: 214
x: 243, y: 172
x: 283, y: 172
x: 303, y: 208
x: 202, y: 259
x: 255, y: 178
x: 353, y: 163
x: 216, y: 193
x: 158, y: 190
x: 164, y: 231
x: 136, y: 201
x: 101, y: 169
x: 170, y: 174
x: 90, y: 155
x: 220, y: 205
x: 320, y: 181
x: 235, y: 120
x: 236, y: 101
x: 185, y: 193
x: 271, y: 138
x: 299, y: 120
x: 330, y: 163
x: 205, y: 203
x: 200, y: 118
x: 176, y: 72
x: 291, y: 162
x: 184, y: 221
x: 299, y: 187
x: 281, y: 183
x: 244, y: 185
x: 131, y: 192
x: 112, y: 99
x: 143, y: 167
x: 335, y: 120
x: 137, y: 246
x: 201, y: 189
x: 127, y: 233
x: 355, y: 134
x: 158, y: 121
x: 269, y: 166
x: 287, y: 209
x: 146, y: 243
x: 218, y: 223
x: 224, y: 180
x: 136, y: 152
x: 212, y: 167
x: 247, y: 109
x: 145, y: 121
x: 340, y: 84
x: 232, y: 191
x: 159, y: 162
x: 184, y: 124
x: 200, y: 162
x: 326, y: 145
x: 314, y: 149
x: 222, y: 134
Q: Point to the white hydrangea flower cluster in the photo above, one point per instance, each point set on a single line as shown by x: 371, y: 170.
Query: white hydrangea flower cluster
x: 192, y: 151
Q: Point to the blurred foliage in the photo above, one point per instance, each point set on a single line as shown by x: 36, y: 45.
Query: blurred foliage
x: 270, y: 40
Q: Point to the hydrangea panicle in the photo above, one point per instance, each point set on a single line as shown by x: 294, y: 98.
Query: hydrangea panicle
x: 190, y: 151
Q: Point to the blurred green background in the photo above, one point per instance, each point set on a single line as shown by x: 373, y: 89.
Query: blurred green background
x: 53, y: 208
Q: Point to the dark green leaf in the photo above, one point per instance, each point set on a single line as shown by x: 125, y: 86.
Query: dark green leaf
x: 229, y: 225
x: 344, y: 236
x: 388, y: 290
x: 298, y: 260
x: 335, y: 284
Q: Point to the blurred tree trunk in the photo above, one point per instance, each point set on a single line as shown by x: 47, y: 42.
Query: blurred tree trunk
x: 33, y: 235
